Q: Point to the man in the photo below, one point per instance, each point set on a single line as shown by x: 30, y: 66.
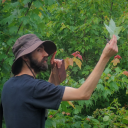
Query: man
x: 24, y: 98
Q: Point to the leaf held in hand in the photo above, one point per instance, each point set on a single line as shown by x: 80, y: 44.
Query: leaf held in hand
x: 112, y: 29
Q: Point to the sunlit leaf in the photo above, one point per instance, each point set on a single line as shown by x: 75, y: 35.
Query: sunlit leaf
x: 71, y: 104
x: 105, y: 118
x: 115, y: 61
x: 77, y: 61
x: 68, y: 61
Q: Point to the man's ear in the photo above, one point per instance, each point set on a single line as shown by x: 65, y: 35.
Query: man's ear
x: 25, y: 58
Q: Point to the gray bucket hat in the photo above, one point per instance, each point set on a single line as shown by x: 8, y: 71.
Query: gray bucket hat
x: 27, y: 44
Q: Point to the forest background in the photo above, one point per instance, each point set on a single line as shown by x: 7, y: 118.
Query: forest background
x: 74, y: 25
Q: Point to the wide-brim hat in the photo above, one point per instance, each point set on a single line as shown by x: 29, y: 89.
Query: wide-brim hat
x: 27, y: 44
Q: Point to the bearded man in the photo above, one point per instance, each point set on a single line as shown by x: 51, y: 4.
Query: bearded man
x: 25, y: 98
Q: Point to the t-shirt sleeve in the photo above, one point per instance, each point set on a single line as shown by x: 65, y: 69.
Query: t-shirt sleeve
x: 47, y: 95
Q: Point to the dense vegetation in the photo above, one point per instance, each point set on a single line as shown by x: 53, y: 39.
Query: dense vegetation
x: 74, y: 25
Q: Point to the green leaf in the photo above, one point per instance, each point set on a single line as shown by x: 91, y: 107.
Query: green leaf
x: 26, y: 1
x: 37, y: 3
x: 86, y: 125
x: 118, y: 70
x: 109, y: 29
x: 106, y: 118
x: 125, y: 80
x: 113, y: 86
x: 107, y: 70
x: 112, y: 29
x: 112, y: 24
x: 117, y: 30
x: 13, y: 29
x: 100, y: 87
x: 48, y: 123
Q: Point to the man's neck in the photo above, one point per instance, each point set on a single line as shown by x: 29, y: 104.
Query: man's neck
x: 27, y: 70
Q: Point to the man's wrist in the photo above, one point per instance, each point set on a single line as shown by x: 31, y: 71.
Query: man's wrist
x: 104, y: 58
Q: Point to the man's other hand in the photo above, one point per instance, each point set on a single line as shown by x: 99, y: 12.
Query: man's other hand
x: 53, y: 61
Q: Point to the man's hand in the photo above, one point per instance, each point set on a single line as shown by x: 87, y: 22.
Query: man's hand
x: 56, y: 61
x: 111, y: 48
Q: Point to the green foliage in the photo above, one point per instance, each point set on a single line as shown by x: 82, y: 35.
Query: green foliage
x: 111, y: 117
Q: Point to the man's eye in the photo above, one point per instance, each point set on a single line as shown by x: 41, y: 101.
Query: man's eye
x: 38, y: 50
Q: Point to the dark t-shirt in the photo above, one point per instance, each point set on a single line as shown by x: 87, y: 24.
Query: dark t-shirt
x: 25, y: 99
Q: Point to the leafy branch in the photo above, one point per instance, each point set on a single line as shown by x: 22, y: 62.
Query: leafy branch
x: 17, y: 32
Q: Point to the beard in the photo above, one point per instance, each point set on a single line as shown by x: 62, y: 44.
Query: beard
x: 38, y: 66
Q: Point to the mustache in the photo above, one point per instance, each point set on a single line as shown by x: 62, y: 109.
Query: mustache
x: 45, y: 59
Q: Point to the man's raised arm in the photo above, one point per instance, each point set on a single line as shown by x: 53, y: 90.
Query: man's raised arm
x: 85, y: 90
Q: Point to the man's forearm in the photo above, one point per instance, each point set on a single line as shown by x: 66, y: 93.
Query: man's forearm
x: 89, y: 85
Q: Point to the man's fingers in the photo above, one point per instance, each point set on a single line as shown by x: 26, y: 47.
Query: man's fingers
x: 113, y: 40
x: 59, y: 63
x: 53, y: 57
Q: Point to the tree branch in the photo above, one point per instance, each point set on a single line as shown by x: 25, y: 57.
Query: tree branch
x: 111, y: 9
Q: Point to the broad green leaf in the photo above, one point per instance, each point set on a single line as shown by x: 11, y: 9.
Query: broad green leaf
x: 125, y: 80
x: 112, y: 24
x: 106, y: 118
x: 109, y: 29
x: 100, y: 87
x: 117, y: 30
x: 112, y: 29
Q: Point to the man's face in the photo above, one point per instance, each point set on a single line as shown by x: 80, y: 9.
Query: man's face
x: 38, y: 59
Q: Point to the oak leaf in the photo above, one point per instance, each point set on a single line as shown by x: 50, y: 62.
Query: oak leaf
x: 115, y: 61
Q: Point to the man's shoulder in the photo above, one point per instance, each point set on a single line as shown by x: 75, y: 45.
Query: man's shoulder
x: 23, y: 80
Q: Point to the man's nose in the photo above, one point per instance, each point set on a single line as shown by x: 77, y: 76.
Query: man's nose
x: 45, y: 53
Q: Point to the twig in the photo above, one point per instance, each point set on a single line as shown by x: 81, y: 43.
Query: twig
x: 111, y: 8
x: 55, y: 114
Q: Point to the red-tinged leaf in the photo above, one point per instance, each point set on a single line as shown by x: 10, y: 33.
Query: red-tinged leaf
x: 74, y: 54
x: 117, y: 56
x: 115, y: 61
x: 77, y: 61
x: 109, y: 75
x: 125, y: 73
x: 79, y: 56
x: 3, y: 1
x: 71, y: 104
x: 68, y: 114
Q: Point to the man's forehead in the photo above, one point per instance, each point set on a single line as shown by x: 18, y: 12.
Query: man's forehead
x: 41, y: 46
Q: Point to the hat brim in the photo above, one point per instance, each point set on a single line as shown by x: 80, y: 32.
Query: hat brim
x: 49, y: 47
